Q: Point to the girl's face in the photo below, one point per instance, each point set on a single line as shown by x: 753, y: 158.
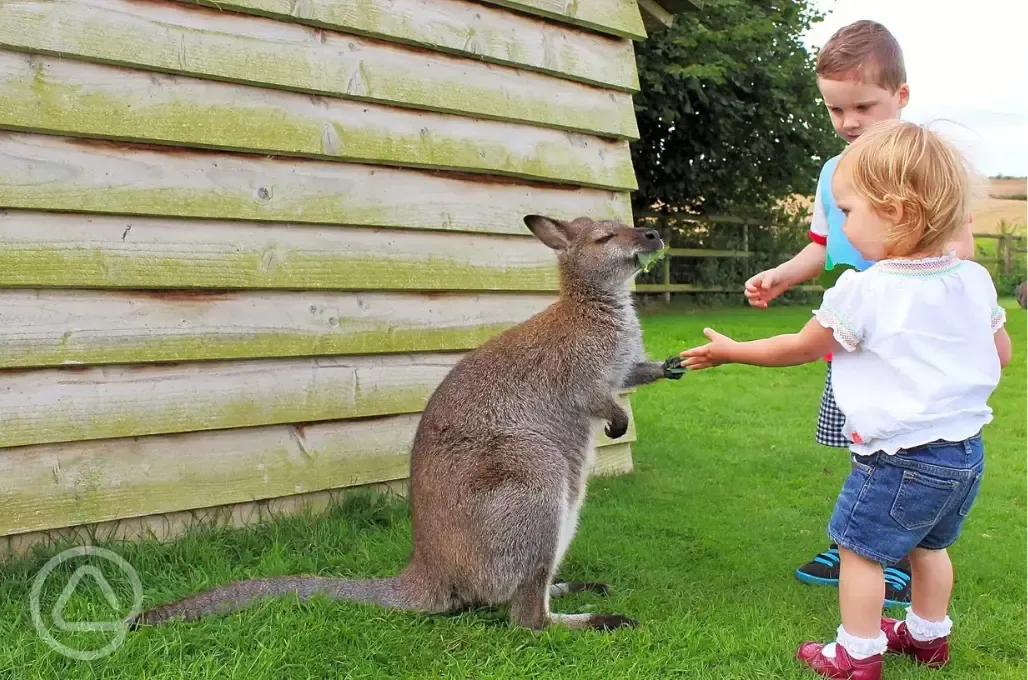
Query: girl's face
x: 865, y: 229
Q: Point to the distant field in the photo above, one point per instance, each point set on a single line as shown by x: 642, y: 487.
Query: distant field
x: 990, y: 213
x: 1008, y: 188
x: 1002, y: 205
x: 1005, y: 203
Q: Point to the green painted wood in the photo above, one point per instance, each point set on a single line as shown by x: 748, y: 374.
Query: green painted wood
x: 62, y: 327
x: 655, y: 17
x: 206, y: 43
x: 54, y: 96
x: 73, y: 251
x: 52, y: 487
x: 44, y: 406
x: 59, y: 405
x: 616, y: 17
x: 50, y: 173
x: 43, y: 266
x: 172, y: 525
x: 681, y: 6
x: 469, y: 29
x: 615, y: 459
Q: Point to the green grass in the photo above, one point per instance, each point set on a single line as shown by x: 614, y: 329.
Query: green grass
x: 729, y: 496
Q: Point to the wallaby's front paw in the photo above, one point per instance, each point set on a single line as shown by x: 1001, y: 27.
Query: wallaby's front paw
x: 673, y: 368
x: 616, y: 430
x: 618, y: 425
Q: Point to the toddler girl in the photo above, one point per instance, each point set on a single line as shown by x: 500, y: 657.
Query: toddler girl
x: 918, y: 343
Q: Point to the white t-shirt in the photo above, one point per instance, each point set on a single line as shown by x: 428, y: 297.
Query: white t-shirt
x: 920, y: 361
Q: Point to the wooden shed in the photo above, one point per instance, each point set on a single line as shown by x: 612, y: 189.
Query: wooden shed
x: 242, y: 241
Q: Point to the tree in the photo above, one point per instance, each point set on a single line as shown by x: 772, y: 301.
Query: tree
x: 730, y: 117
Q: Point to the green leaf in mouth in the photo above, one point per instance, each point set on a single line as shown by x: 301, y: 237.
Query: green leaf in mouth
x: 647, y: 260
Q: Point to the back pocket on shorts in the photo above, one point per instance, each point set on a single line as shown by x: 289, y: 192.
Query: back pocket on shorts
x: 972, y: 494
x: 921, y: 500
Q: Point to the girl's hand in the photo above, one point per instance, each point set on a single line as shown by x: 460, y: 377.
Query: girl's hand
x: 716, y: 352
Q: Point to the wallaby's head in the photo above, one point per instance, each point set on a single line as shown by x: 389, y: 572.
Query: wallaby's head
x: 594, y: 256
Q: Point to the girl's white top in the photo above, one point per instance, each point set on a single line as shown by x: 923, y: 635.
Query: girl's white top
x: 920, y: 361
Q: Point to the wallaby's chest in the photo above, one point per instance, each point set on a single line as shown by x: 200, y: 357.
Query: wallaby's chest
x: 627, y: 350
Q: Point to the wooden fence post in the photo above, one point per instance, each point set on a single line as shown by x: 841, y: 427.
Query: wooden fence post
x: 667, y: 262
x: 747, y: 268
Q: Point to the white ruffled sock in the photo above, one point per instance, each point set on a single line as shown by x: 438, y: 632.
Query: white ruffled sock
x: 924, y: 630
x: 858, y: 648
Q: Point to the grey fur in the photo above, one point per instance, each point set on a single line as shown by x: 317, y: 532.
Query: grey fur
x: 500, y: 458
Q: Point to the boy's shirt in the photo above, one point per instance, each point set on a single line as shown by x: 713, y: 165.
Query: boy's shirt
x: 826, y: 229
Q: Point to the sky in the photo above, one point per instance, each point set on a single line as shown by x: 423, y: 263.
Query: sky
x: 967, y: 69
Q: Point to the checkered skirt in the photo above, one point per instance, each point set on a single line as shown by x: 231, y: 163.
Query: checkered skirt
x: 830, y: 419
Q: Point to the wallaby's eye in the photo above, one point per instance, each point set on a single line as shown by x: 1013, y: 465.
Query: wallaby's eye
x: 604, y: 238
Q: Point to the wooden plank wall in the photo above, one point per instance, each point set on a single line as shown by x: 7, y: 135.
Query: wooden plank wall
x: 243, y: 241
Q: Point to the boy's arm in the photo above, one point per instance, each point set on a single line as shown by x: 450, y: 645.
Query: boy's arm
x: 809, y: 345
x: 804, y: 266
x: 764, y: 287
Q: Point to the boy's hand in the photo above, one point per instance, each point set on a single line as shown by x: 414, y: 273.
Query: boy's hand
x: 714, y: 353
x: 764, y: 287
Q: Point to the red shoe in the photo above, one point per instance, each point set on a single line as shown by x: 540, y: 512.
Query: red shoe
x: 842, y: 666
x: 934, y: 654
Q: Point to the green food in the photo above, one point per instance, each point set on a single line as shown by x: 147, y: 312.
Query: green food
x: 647, y: 260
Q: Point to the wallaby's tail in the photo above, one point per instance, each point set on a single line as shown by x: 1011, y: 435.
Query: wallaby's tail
x: 395, y: 592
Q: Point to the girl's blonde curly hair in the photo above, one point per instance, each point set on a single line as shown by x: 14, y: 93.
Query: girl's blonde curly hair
x: 911, y: 173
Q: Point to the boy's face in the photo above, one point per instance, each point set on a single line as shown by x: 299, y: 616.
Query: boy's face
x: 854, y: 105
x: 864, y: 228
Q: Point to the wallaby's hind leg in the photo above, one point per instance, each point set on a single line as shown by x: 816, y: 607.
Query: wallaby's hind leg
x: 530, y: 606
x: 569, y: 525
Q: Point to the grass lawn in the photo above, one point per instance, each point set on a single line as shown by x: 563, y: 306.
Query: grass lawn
x: 729, y: 496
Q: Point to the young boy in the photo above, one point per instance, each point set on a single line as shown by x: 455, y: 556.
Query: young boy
x: 862, y: 79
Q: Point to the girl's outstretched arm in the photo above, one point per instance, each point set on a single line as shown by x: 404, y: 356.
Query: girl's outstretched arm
x: 810, y: 344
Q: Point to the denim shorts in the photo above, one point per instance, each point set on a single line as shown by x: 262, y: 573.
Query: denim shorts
x: 917, y: 498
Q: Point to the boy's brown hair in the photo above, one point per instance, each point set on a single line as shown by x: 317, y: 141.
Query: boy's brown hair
x: 865, y: 51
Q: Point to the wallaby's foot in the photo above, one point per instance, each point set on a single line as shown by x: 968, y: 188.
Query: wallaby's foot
x: 561, y: 588
x: 611, y: 621
x: 593, y: 621
x: 617, y: 424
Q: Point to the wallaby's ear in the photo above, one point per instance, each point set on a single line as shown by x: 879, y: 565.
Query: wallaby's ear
x: 554, y: 233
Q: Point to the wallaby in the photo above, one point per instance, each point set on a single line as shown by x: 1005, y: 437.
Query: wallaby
x: 501, y: 455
